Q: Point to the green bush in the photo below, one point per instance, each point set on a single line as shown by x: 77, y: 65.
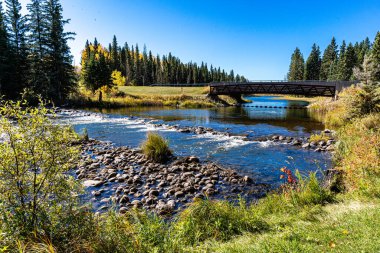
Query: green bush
x: 156, y: 148
x: 35, y: 158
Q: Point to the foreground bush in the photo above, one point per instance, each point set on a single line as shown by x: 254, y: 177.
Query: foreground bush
x: 358, y: 154
x: 156, y: 148
x: 37, y: 195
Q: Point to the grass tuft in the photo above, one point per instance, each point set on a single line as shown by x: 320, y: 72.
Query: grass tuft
x: 156, y: 148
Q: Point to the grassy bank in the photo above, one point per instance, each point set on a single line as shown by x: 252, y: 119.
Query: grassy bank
x: 163, y: 91
x: 129, y: 96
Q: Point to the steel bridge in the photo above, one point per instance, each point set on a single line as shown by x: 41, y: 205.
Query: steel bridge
x: 306, y: 88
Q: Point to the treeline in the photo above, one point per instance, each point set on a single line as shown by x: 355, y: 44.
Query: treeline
x: 34, y: 55
x: 335, y: 64
x: 127, y: 65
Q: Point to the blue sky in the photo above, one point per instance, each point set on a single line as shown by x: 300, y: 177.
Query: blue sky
x: 255, y: 38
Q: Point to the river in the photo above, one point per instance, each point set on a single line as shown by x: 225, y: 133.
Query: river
x: 261, y: 160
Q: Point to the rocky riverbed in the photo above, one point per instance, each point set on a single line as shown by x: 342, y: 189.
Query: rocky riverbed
x: 122, y: 177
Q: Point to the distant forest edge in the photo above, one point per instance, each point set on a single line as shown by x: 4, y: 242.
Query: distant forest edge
x: 347, y: 63
x: 127, y: 65
x: 35, y: 59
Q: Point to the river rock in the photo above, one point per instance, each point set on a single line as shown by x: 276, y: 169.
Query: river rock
x: 179, y: 194
x: 93, y: 183
x: 124, y: 199
x: 123, y: 210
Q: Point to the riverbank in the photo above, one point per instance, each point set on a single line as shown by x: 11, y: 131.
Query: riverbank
x: 131, y: 96
x: 179, y: 97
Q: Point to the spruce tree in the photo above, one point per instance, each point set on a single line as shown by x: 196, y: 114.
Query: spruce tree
x: 37, y: 41
x: 347, y: 61
x: 329, y: 58
x: 152, y: 66
x: 375, y: 57
x: 145, y: 67
x: 60, y: 70
x: 296, y: 68
x: 4, y: 55
x: 114, y: 52
x: 16, y: 24
x: 138, y: 68
x: 313, y: 64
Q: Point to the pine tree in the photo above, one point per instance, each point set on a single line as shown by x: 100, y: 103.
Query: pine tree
x: 296, y: 68
x: 329, y: 58
x: 313, y: 64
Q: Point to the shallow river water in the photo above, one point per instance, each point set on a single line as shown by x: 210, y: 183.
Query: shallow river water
x: 260, y: 160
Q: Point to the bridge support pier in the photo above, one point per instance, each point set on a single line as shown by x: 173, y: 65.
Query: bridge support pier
x: 238, y: 99
x: 217, y: 99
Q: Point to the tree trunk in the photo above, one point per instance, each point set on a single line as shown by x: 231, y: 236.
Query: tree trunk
x: 100, y: 96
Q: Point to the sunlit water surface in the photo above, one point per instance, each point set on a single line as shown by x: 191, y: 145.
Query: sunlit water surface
x: 260, y: 160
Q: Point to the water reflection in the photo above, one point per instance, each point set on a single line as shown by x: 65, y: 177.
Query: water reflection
x: 292, y: 119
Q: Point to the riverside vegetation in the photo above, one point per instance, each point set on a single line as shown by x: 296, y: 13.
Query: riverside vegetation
x: 40, y: 205
x: 340, y: 213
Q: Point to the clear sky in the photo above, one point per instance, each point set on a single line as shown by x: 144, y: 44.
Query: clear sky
x: 255, y: 38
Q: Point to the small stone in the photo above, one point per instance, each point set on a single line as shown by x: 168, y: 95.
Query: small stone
x: 136, y: 203
x: 193, y: 159
x: 150, y: 201
x: 124, y: 199
x: 179, y: 194
x: 247, y: 179
x: 171, y: 203
x: 154, y: 193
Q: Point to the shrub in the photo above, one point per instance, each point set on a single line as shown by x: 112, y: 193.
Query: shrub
x: 36, y: 155
x: 38, y: 197
x: 358, y: 154
x: 156, y: 148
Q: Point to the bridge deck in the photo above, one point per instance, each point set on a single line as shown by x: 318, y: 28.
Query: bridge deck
x: 306, y: 88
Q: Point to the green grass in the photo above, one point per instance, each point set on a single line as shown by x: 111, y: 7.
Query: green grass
x: 131, y: 96
x: 163, y: 91
x: 343, y: 227
x: 156, y: 148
